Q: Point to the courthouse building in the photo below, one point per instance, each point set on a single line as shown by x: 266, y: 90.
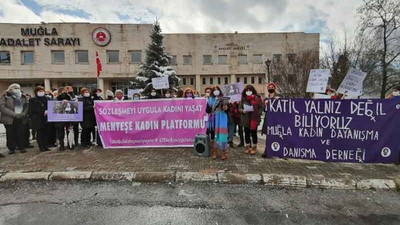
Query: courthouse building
x: 59, y: 54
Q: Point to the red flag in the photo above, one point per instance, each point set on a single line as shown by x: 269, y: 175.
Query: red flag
x: 98, y: 64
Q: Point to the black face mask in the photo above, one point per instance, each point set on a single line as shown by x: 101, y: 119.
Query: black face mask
x: 271, y: 91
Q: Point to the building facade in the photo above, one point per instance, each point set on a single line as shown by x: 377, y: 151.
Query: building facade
x: 59, y: 54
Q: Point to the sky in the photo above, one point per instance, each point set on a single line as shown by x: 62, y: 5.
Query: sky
x: 327, y: 17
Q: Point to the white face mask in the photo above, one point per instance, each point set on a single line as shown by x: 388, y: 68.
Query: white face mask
x: 216, y: 93
x: 40, y: 93
x: 396, y: 93
x: 99, y: 94
x: 207, y: 94
x: 248, y: 93
x: 136, y: 98
x: 167, y: 95
x: 196, y: 96
x: 86, y: 94
x: 174, y: 96
x: 153, y: 94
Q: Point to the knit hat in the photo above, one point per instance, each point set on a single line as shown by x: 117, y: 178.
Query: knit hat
x: 109, y: 93
x: 12, y: 86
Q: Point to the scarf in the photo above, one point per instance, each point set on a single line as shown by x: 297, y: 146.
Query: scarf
x: 211, y: 102
x: 221, y: 130
x: 254, y: 101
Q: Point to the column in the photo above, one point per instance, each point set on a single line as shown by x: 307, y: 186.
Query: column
x: 47, y: 86
x: 100, y: 84
x: 198, y: 83
x: 233, y: 78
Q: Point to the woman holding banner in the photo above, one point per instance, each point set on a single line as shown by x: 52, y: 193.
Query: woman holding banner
x: 38, y: 114
x: 250, y: 108
x: 272, y: 93
x: 188, y: 93
x: 62, y: 126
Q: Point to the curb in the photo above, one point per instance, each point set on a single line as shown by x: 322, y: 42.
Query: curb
x: 272, y: 180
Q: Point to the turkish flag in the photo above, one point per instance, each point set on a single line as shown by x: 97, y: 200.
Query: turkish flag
x: 98, y: 64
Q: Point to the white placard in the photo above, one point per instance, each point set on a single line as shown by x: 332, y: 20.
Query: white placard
x: 160, y: 83
x: 248, y: 108
x: 352, y: 84
x: 318, y: 80
x: 131, y: 92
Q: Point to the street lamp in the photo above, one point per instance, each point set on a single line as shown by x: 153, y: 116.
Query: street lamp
x: 267, y: 76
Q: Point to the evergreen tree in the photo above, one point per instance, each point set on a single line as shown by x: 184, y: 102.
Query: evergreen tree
x: 156, y: 65
x: 340, y: 69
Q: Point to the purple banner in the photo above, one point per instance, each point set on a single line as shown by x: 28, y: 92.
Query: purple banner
x: 364, y: 131
x: 150, y: 123
x: 64, y: 111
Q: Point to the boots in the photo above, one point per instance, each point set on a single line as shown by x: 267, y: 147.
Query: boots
x: 253, y: 151
x: 213, y: 150
x: 247, y: 149
x: 224, y: 155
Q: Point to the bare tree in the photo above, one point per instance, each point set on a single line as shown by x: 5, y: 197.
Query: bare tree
x: 291, y: 75
x: 379, y: 22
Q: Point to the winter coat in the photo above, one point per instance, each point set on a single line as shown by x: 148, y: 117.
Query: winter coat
x: 245, y: 117
x: 37, y: 107
x: 89, y: 119
x: 7, y: 109
x: 62, y: 97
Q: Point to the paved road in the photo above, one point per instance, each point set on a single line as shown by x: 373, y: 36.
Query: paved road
x: 48, y: 203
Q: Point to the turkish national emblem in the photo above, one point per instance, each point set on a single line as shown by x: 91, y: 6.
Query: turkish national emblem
x: 101, y: 36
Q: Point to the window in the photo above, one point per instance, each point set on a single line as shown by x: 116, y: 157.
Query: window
x: 211, y: 80
x: 291, y: 58
x: 57, y: 57
x: 277, y: 58
x: 184, y: 81
x: 136, y: 57
x: 226, y: 80
x: 222, y: 59
x: 191, y: 81
x: 243, y: 59
x: 245, y: 80
x: 260, y: 80
x: 207, y: 59
x: 252, y: 80
x: 112, y: 56
x: 219, y: 80
x: 27, y: 57
x: 187, y: 60
x: 204, y: 81
x: 237, y: 79
x: 172, y: 61
x: 257, y: 58
x: 5, y: 58
x: 81, y: 57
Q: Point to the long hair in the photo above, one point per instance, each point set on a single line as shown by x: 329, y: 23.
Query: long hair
x: 186, y: 91
x: 216, y: 88
x: 248, y: 88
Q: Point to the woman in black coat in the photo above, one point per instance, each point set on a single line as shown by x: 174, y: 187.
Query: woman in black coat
x: 61, y: 126
x: 89, y: 120
x: 38, y: 116
x: 97, y: 96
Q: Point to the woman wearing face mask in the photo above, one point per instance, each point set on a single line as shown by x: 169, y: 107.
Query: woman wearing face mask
x: 119, y: 95
x: 272, y: 93
x: 89, y: 121
x: 212, y: 103
x: 38, y: 114
x: 136, y: 97
x: 97, y: 94
x: 188, y: 93
x: 109, y: 95
x: 395, y: 93
x: 153, y: 94
x: 167, y: 94
x: 207, y: 92
x: 250, y: 108
x: 62, y: 127
x: 14, y: 109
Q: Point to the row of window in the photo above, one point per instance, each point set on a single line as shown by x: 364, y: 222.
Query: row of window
x: 82, y: 57
x: 222, y: 80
